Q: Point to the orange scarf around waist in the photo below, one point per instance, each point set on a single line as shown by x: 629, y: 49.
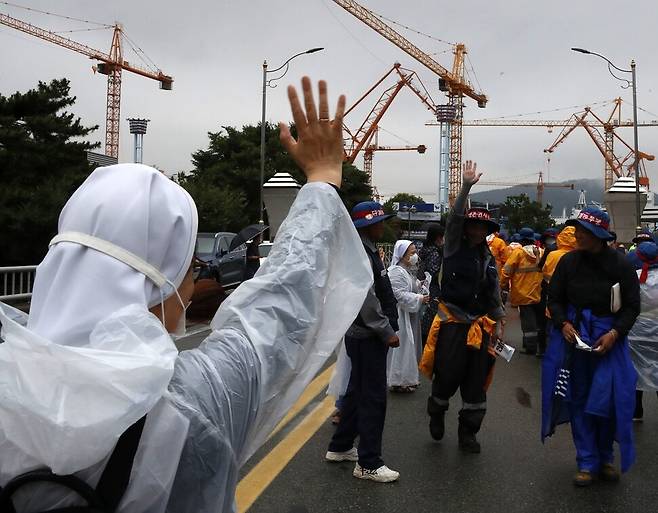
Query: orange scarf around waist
x: 478, y: 327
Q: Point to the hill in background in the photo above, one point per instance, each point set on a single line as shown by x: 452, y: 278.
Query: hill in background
x: 558, y: 197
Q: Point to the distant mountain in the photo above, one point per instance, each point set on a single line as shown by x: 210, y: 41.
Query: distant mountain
x: 558, y: 197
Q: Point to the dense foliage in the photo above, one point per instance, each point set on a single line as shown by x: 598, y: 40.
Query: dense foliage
x: 42, y: 161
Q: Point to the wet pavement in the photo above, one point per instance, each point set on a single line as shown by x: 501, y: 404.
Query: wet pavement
x: 515, y: 473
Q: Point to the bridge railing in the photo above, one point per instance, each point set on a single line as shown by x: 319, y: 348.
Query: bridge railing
x: 16, y: 282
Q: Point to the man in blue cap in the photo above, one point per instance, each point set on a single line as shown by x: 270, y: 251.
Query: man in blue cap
x: 363, y: 409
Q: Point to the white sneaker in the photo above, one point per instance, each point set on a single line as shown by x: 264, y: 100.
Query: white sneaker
x: 351, y: 455
x: 382, y: 475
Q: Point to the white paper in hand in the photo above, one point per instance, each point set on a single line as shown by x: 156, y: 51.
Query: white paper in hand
x: 502, y: 349
x: 580, y: 344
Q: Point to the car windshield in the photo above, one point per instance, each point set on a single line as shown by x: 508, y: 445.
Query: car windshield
x: 205, y: 244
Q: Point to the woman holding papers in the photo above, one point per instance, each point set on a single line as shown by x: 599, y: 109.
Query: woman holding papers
x: 588, y: 378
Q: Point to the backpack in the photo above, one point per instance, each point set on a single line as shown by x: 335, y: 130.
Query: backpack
x: 108, y: 493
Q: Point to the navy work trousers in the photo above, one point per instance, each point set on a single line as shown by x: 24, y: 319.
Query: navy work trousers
x: 363, y: 408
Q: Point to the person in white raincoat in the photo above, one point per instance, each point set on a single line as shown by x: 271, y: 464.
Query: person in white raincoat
x: 403, y: 362
x: 94, y: 356
x: 643, y: 337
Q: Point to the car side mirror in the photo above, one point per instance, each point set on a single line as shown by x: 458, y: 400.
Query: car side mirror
x: 221, y: 253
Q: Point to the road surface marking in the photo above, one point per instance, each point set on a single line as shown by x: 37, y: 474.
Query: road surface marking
x: 311, y: 392
x: 260, y: 477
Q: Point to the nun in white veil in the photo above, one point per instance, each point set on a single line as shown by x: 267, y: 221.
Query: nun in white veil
x: 402, y: 374
x: 95, y: 354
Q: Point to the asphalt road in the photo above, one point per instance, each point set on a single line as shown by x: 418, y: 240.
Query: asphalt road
x: 515, y: 473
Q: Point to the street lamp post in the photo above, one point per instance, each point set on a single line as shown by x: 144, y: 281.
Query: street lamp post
x: 636, y: 163
x: 412, y: 210
x: 268, y: 83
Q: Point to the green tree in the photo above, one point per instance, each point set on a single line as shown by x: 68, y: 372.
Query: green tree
x: 394, y: 227
x: 42, y: 162
x: 231, y: 165
x: 401, y: 197
x: 520, y: 211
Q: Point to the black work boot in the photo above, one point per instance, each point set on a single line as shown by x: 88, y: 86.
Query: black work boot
x: 468, y: 442
x: 469, y: 424
x: 529, y: 344
x: 437, y: 413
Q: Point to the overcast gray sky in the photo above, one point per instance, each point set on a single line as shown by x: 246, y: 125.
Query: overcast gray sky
x: 214, y: 50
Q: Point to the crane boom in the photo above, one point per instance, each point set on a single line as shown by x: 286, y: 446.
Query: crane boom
x: 362, y: 137
x: 550, y: 123
x: 111, y: 64
x: 90, y: 52
x: 455, y: 83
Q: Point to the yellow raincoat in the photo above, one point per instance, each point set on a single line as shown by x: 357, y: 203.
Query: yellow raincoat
x: 522, y: 276
x: 499, y: 251
x: 566, y: 241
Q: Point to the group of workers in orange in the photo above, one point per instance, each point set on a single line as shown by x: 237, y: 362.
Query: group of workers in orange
x: 525, y: 267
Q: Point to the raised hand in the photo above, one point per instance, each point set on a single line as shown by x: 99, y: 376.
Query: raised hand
x: 318, y: 150
x: 470, y: 176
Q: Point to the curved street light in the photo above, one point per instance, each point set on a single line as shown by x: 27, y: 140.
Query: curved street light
x: 633, y: 84
x: 269, y: 83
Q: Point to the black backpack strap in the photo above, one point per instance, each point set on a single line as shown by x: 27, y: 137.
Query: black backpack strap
x: 114, y: 481
x: 44, y: 475
x: 111, y: 486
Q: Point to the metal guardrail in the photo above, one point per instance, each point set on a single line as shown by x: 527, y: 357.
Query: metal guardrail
x: 16, y: 282
x: 387, y: 249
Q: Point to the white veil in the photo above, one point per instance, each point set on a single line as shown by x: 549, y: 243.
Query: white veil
x: 92, y: 359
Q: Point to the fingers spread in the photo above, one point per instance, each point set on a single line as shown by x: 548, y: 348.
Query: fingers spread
x: 309, y: 102
x: 296, y: 108
x: 340, y: 112
x: 324, y: 101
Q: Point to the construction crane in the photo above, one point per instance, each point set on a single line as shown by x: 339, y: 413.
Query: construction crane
x: 614, y: 165
x: 548, y: 123
x: 111, y: 64
x: 357, y: 140
x: 593, y: 124
x: 452, y: 82
x: 540, y: 185
x: 365, y: 138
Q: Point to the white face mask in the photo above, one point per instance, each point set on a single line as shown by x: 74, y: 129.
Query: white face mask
x: 413, y: 259
x: 181, y: 327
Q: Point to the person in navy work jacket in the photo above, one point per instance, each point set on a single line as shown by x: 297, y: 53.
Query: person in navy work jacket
x: 367, y: 341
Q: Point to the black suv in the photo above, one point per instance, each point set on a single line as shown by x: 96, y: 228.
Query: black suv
x: 227, y: 267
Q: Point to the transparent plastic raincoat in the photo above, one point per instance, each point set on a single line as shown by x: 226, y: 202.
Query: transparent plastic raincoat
x: 268, y: 340
x: 643, y: 337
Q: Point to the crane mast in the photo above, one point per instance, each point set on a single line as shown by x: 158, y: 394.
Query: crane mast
x: 111, y: 64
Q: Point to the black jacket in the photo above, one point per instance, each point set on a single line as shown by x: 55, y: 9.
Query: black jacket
x: 583, y: 280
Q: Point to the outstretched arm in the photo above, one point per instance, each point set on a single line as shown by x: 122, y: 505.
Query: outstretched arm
x: 455, y: 223
x: 274, y: 333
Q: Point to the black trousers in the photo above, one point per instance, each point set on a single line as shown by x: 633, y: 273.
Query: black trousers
x: 363, y: 408
x: 458, y: 367
x: 533, y: 325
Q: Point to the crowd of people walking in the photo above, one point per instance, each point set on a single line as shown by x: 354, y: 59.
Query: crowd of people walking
x: 92, y: 387
x: 587, y: 310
